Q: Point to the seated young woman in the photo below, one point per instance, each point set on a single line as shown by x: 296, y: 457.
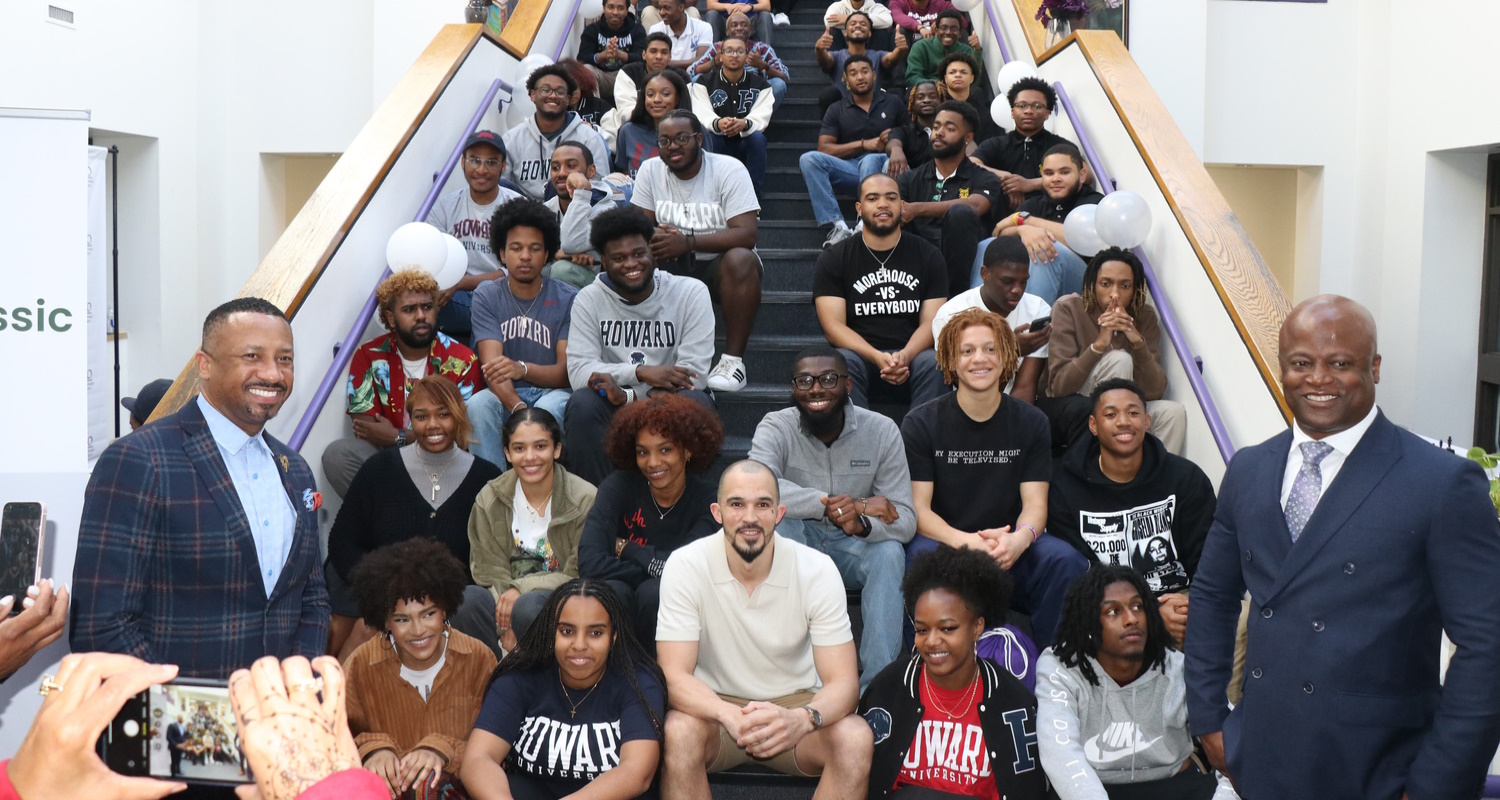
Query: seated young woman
x: 1114, y: 665
x: 1110, y: 331
x: 656, y: 501
x: 525, y: 526
x: 662, y: 93
x: 422, y: 490
x: 575, y: 711
x: 949, y: 723
x: 413, y: 692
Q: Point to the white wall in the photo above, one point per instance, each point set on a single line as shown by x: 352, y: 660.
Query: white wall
x: 1158, y: 33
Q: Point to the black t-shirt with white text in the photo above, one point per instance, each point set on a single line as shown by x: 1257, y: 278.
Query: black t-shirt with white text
x: 977, y: 468
x: 883, y: 304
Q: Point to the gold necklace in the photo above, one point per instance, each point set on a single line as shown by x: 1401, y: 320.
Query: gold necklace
x: 968, y: 704
x: 573, y: 711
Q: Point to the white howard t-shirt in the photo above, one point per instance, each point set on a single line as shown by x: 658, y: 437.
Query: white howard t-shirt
x: 1030, y: 308
x: 719, y: 192
x: 457, y: 215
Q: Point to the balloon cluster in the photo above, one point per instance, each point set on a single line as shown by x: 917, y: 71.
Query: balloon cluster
x: 1004, y: 79
x: 1121, y: 219
x: 421, y: 247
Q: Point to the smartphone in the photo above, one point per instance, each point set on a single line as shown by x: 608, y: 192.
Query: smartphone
x: 183, y: 730
x: 1039, y: 323
x: 21, y: 530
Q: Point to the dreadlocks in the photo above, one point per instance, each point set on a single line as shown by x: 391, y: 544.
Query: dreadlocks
x: 1138, y: 278
x: 535, y: 652
x: 1079, y: 632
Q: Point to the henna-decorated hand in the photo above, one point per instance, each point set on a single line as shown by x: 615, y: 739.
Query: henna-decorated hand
x: 291, y: 738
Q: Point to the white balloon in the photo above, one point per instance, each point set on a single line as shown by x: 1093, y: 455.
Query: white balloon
x: 967, y: 5
x: 529, y: 65
x: 590, y: 9
x: 1000, y: 111
x: 456, y: 265
x: 1078, y: 229
x: 1123, y: 219
x: 1009, y: 74
x: 416, y: 245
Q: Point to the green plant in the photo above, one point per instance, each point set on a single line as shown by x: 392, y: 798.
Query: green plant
x: 1489, y: 461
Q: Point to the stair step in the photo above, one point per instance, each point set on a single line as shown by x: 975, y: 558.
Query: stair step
x: 743, y: 410
x: 787, y: 270
x: 796, y: 206
x: 792, y: 234
x: 770, y: 358
x: 784, y: 313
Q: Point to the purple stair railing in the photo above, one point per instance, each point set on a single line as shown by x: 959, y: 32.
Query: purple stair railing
x: 989, y: 12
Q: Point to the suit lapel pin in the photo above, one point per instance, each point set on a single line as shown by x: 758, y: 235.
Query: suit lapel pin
x: 312, y: 500
x: 286, y: 464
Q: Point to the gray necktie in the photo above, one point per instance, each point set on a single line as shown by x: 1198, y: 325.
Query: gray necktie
x: 1307, y: 488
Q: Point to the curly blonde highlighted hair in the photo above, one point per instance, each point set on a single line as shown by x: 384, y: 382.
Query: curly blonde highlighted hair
x: 391, y: 289
x: 1007, y: 352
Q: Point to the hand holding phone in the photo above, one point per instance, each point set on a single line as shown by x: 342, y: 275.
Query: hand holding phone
x: 39, y: 622
x: 57, y: 760
x: 21, y: 531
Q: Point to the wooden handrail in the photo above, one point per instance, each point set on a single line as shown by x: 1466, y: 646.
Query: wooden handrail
x: 1250, y: 293
x: 521, y: 29
x: 294, y: 264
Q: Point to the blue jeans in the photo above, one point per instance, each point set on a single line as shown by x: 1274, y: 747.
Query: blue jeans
x: 751, y: 150
x: 875, y: 569
x: 1042, y: 576
x: 778, y: 89
x: 455, y: 318
x: 488, y: 415
x: 827, y: 176
x: 925, y: 382
x: 1049, y: 279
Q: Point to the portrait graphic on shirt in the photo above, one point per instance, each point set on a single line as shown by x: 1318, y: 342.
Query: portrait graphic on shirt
x: 1141, y: 538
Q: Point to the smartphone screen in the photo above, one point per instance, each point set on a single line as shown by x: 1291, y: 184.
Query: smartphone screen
x: 20, y: 529
x: 178, y: 731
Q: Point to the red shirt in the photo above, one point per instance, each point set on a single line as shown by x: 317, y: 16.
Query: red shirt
x: 949, y: 755
x: 370, y: 389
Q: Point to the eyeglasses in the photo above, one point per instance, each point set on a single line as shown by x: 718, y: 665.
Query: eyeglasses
x: 681, y: 140
x: 476, y: 163
x: 542, y: 91
x: 827, y: 380
x: 1030, y: 106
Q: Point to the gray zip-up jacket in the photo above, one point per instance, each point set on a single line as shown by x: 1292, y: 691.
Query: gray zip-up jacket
x: 675, y: 325
x: 867, y: 460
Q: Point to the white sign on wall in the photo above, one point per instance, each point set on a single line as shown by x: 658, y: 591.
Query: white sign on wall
x: 101, y: 374
x: 43, y: 298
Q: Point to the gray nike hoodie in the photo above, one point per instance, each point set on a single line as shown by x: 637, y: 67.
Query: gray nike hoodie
x: 1092, y: 735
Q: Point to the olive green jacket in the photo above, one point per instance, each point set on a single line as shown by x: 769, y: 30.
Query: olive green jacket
x: 491, y: 543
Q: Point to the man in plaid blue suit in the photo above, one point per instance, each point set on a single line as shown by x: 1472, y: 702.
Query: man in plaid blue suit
x: 199, y: 540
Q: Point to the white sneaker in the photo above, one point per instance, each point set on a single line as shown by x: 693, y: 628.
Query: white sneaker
x: 728, y: 375
x: 839, y: 233
x: 780, y: 19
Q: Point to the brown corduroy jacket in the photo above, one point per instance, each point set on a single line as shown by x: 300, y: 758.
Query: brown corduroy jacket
x: 1070, y: 359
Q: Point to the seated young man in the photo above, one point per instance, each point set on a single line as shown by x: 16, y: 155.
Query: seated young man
x: 611, y: 42
x: 576, y: 177
x: 761, y: 58
x: 734, y: 106
x: 857, y: 32
x: 876, y: 294
x: 707, y: 217
x: 926, y: 54
x: 521, y: 327
x: 1110, y: 331
x: 1002, y: 289
x: 1115, y: 667
x: 980, y: 463
x: 854, y: 143
x: 948, y: 201
x: 1055, y: 270
x: 529, y: 145
x: 842, y: 476
x: 465, y: 215
x: 655, y: 58
x: 754, y: 639
x: 1123, y: 499
x: 1016, y: 157
x: 690, y: 36
x: 384, y: 368
x: 922, y: 102
x: 757, y: 14
x: 640, y: 331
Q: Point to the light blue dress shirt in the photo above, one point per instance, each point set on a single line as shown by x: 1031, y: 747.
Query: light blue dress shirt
x: 257, y: 480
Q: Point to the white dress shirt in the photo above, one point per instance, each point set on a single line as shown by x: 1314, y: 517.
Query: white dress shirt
x: 1343, y: 443
x: 257, y: 481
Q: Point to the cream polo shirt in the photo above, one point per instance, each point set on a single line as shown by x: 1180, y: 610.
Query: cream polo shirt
x: 756, y: 646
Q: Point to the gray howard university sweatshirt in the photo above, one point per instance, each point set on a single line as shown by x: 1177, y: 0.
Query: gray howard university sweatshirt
x: 868, y: 459
x: 675, y: 325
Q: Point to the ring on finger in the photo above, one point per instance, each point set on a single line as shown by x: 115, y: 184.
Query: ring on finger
x: 49, y: 685
x: 307, y: 684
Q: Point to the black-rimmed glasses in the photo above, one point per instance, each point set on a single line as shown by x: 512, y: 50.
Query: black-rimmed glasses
x: 827, y: 380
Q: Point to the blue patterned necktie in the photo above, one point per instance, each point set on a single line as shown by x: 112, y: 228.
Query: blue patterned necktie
x: 1307, y: 488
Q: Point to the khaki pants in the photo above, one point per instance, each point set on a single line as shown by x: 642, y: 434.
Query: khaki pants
x: 732, y: 755
x: 1168, y: 417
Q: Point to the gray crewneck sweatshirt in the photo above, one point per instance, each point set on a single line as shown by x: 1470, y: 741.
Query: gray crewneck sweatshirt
x: 868, y: 459
x: 674, y: 325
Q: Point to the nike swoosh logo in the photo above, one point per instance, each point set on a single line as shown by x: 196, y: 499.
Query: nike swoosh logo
x: 1097, y: 756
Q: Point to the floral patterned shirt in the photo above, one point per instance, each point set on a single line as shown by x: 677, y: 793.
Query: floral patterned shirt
x: 370, y: 390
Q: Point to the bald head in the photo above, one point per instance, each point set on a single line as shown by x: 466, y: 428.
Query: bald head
x: 749, y: 468
x: 1329, y: 364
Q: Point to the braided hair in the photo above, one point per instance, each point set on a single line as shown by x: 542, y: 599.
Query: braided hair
x: 536, y: 652
x: 1079, y: 632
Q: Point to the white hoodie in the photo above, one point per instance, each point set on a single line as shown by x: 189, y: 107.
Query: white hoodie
x: 528, y: 154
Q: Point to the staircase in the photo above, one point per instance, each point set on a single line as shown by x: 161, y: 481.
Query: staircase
x: 789, y: 243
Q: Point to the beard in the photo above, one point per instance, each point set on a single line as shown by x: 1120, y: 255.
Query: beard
x: 749, y: 554
x: 830, y: 421
x: 950, y: 150
x: 414, y: 341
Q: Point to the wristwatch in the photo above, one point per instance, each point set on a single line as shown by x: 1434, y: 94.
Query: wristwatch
x: 817, y: 717
x: 1022, y: 216
x: 401, y: 438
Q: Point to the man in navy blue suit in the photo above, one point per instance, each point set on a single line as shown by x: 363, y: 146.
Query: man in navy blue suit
x: 198, y: 544
x: 1359, y: 544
